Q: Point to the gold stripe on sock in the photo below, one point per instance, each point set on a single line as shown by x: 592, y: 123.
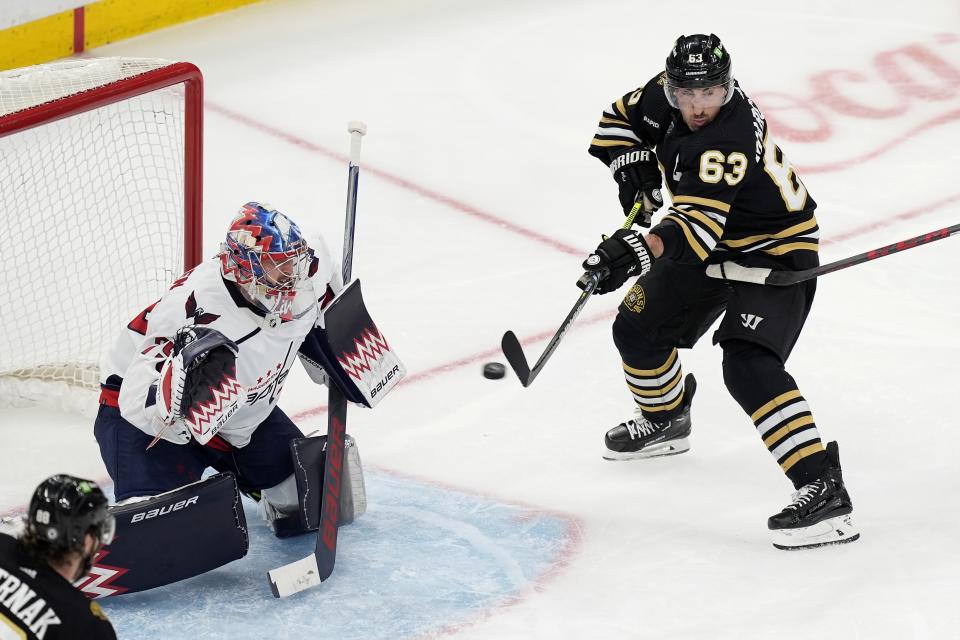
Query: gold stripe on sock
x: 649, y: 373
x: 793, y: 425
x: 665, y: 407
x: 800, y: 455
x: 782, y: 399
x: 659, y: 391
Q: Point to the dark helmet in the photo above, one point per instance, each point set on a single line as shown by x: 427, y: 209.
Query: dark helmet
x: 697, y: 62
x: 64, y: 509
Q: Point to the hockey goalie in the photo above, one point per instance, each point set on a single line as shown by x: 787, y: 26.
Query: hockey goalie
x: 192, y: 383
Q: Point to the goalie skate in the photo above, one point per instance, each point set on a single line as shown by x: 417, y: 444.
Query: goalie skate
x: 641, y: 438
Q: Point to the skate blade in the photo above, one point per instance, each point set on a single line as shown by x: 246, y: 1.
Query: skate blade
x: 658, y: 450
x: 837, y: 530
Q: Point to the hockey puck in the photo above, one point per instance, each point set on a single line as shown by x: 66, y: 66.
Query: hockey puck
x: 494, y: 370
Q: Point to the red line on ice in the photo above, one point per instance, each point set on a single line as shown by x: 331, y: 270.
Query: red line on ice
x: 838, y: 165
x: 505, y: 225
x: 396, y: 180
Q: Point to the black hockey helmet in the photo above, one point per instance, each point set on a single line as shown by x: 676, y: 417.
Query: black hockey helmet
x: 697, y: 62
x: 64, y: 509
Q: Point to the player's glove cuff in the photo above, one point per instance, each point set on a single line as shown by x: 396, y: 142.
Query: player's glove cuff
x: 621, y: 256
x: 638, y: 178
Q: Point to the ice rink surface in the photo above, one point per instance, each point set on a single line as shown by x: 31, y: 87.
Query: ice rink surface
x: 477, y: 203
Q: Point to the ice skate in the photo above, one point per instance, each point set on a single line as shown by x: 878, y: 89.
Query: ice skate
x: 642, y: 438
x: 820, y: 514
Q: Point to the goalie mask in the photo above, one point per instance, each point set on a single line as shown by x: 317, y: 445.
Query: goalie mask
x: 266, y: 255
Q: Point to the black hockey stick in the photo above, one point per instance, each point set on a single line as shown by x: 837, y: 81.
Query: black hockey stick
x: 739, y: 273
x: 511, y: 345
x: 318, y: 566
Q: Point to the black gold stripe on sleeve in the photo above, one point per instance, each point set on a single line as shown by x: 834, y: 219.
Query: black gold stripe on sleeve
x: 801, y: 236
x: 710, y: 203
x: 702, y: 228
x: 614, y: 129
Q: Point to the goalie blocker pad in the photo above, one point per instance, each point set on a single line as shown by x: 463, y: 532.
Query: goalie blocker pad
x: 351, y: 349
x: 170, y: 537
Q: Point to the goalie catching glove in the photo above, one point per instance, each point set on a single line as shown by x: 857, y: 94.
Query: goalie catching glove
x: 198, y: 390
x: 617, y: 258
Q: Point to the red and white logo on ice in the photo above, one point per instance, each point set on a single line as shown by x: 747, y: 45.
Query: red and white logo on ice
x: 912, y: 88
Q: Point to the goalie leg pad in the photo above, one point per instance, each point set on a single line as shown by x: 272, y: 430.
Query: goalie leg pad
x: 309, y: 456
x: 170, y: 537
x: 283, y: 499
x: 265, y: 461
x: 280, y: 506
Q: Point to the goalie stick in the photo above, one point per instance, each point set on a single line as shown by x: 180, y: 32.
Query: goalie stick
x: 510, y: 344
x: 317, y: 567
x: 756, y: 275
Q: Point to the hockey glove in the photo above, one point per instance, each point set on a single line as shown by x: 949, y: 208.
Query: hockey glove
x: 617, y: 258
x: 198, y: 390
x: 638, y: 176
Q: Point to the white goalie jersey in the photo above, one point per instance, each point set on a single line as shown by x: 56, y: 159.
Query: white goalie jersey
x: 201, y: 297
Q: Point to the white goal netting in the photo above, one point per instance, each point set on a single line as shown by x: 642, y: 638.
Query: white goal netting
x: 93, y: 220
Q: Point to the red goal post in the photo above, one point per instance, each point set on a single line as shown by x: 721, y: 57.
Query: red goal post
x: 100, y: 189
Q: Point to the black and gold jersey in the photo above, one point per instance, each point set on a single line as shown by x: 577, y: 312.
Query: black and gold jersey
x: 37, y: 603
x: 735, y: 195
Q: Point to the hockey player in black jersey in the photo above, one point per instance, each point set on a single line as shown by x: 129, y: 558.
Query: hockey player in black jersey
x: 735, y: 197
x: 66, y: 525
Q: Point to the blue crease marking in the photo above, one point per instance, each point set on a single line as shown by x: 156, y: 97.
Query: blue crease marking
x: 422, y: 559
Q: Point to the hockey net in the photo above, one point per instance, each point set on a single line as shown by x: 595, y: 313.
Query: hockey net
x: 100, y: 181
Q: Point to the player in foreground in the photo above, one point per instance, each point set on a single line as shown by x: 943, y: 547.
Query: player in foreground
x: 66, y: 525
x: 735, y: 197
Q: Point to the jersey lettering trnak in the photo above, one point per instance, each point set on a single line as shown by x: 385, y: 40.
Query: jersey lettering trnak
x: 37, y: 603
x: 735, y: 194
x: 18, y: 602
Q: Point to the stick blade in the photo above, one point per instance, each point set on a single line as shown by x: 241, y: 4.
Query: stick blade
x: 294, y: 577
x: 514, y: 354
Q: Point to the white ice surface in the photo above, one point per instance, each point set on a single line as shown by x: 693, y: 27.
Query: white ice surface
x: 477, y: 200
